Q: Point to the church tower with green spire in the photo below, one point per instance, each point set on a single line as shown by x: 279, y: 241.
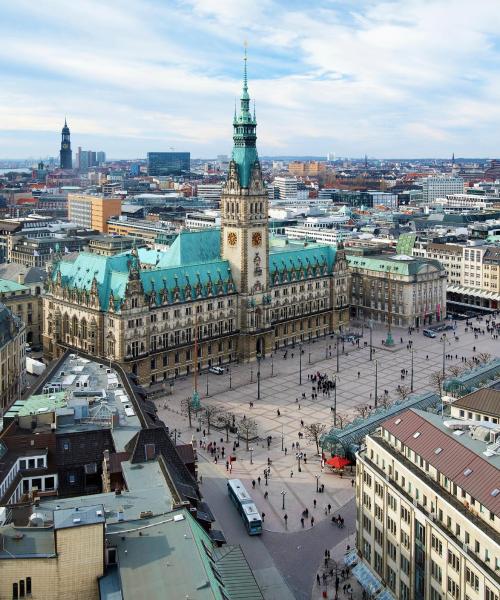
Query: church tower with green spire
x: 244, y: 234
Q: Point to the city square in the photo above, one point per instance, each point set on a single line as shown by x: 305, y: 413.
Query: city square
x: 281, y: 409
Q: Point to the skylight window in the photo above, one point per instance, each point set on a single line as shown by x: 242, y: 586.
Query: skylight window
x: 416, y: 434
x: 467, y: 472
x: 438, y: 451
x: 495, y: 492
x: 397, y: 421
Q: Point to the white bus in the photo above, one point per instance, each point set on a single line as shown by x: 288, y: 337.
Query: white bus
x: 245, y: 505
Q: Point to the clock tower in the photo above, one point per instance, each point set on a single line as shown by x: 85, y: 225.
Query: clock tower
x: 245, y: 233
x: 66, y: 157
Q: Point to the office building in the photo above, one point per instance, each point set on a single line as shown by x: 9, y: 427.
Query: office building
x: 400, y: 289
x: 312, y: 168
x: 287, y: 187
x: 248, y: 292
x: 209, y: 191
x: 440, y: 187
x: 92, y: 212
x: 65, y: 155
x: 169, y: 163
x: 428, y: 508
x: 12, y: 358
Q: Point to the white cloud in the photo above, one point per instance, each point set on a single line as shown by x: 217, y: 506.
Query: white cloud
x: 412, y: 77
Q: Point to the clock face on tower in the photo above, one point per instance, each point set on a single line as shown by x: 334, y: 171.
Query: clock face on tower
x: 256, y: 238
x: 232, y: 238
x: 65, y: 146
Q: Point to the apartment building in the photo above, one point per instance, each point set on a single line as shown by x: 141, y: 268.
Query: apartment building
x: 428, y: 509
x: 449, y: 255
x: 93, y: 212
x: 12, y: 357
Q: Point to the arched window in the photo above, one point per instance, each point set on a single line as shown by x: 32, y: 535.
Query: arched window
x: 65, y: 327
x: 84, y: 329
x: 74, y: 326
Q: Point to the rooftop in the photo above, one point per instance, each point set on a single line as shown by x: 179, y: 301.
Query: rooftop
x: 173, y: 552
x: 78, y: 516
x: 485, y: 400
x: 460, y: 458
x: 26, y: 542
x: 8, y: 286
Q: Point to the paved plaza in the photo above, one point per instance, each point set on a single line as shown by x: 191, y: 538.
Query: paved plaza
x: 279, y: 391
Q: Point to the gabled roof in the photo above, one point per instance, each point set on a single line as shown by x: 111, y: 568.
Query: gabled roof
x: 461, y: 465
x: 192, y: 247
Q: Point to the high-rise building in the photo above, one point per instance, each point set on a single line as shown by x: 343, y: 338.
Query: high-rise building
x: 440, y: 187
x: 66, y: 158
x: 93, y: 212
x: 100, y: 157
x: 287, y: 187
x: 168, y: 163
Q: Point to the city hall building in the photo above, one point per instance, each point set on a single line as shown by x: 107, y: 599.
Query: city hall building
x: 215, y: 296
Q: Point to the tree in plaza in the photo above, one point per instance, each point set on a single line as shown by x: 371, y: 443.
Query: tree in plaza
x: 226, y: 419
x: 455, y: 370
x: 484, y: 357
x: 210, y: 415
x: 247, y: 429
x: 384, y: 400
x: 437, y: 380
x: 187, y: 408
x: 342, y: 420
x: 314, y: 431
x: 403, y: 391
x: 362, y: 410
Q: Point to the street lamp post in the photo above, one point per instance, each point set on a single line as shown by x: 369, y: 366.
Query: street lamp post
x: 411, y: 380
x: 376, y: 383
x: 251, y: 455
x: 283, y: 494
x: 207, y: 381
x: 272, y: 365
x: 230, y: 380
x: 335, y: 400
x: 282, y: 438
x: 259, y: 357
x: 371, y: 340
x: 338, y: 349
x: 317, y: 481
x: 300, y: 364
x: 443, y: 339
x: 299, y: 456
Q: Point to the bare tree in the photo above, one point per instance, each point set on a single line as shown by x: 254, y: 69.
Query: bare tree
x: 403, y: 391
x: 342, y: 420
x: 362, y: 410
x: 226, y: 419
x: 210, y: 415
x: 484, y: 357
x: 455, y: 370
x: 384, y: 400
x: 470, y: 364
x: 437, y: 379
x: 248, y: 429
x: 314, y: 431
x: 187, y: 408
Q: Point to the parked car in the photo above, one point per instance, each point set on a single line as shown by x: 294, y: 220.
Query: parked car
x: 216, y: 370
x: 430, y: 333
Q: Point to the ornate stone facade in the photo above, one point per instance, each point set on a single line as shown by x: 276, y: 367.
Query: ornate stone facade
x: 235, y: 290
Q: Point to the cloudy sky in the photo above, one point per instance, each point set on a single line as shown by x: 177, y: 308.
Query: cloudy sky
x: 413, y: 78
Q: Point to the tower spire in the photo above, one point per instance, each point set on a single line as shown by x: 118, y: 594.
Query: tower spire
x: 245, y: 76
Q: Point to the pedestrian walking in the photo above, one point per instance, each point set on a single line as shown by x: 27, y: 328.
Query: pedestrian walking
x: 259, y: 479
x: 314, y: 502
x: 285, y: 517
x: 329, y: 508
x: 266, y: 494
x: 312, y: 521
x: 263, y: 516
x: 253, y: 483
x: 291, y: 474
x: 302, y: 521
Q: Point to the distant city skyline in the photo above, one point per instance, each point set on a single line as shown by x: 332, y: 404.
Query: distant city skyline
x: 404, y: 79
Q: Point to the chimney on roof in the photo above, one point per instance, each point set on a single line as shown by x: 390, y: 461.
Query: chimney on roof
x: 20, y: 278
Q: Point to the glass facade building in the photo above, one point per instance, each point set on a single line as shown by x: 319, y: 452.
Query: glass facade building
x: 168, y: 163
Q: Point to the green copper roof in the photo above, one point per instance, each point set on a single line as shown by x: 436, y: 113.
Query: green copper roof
x: 6, y: 285
x: 245, y: 135
x: 311, y: 259
x: 398, y: 264
x: 192, y: 247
